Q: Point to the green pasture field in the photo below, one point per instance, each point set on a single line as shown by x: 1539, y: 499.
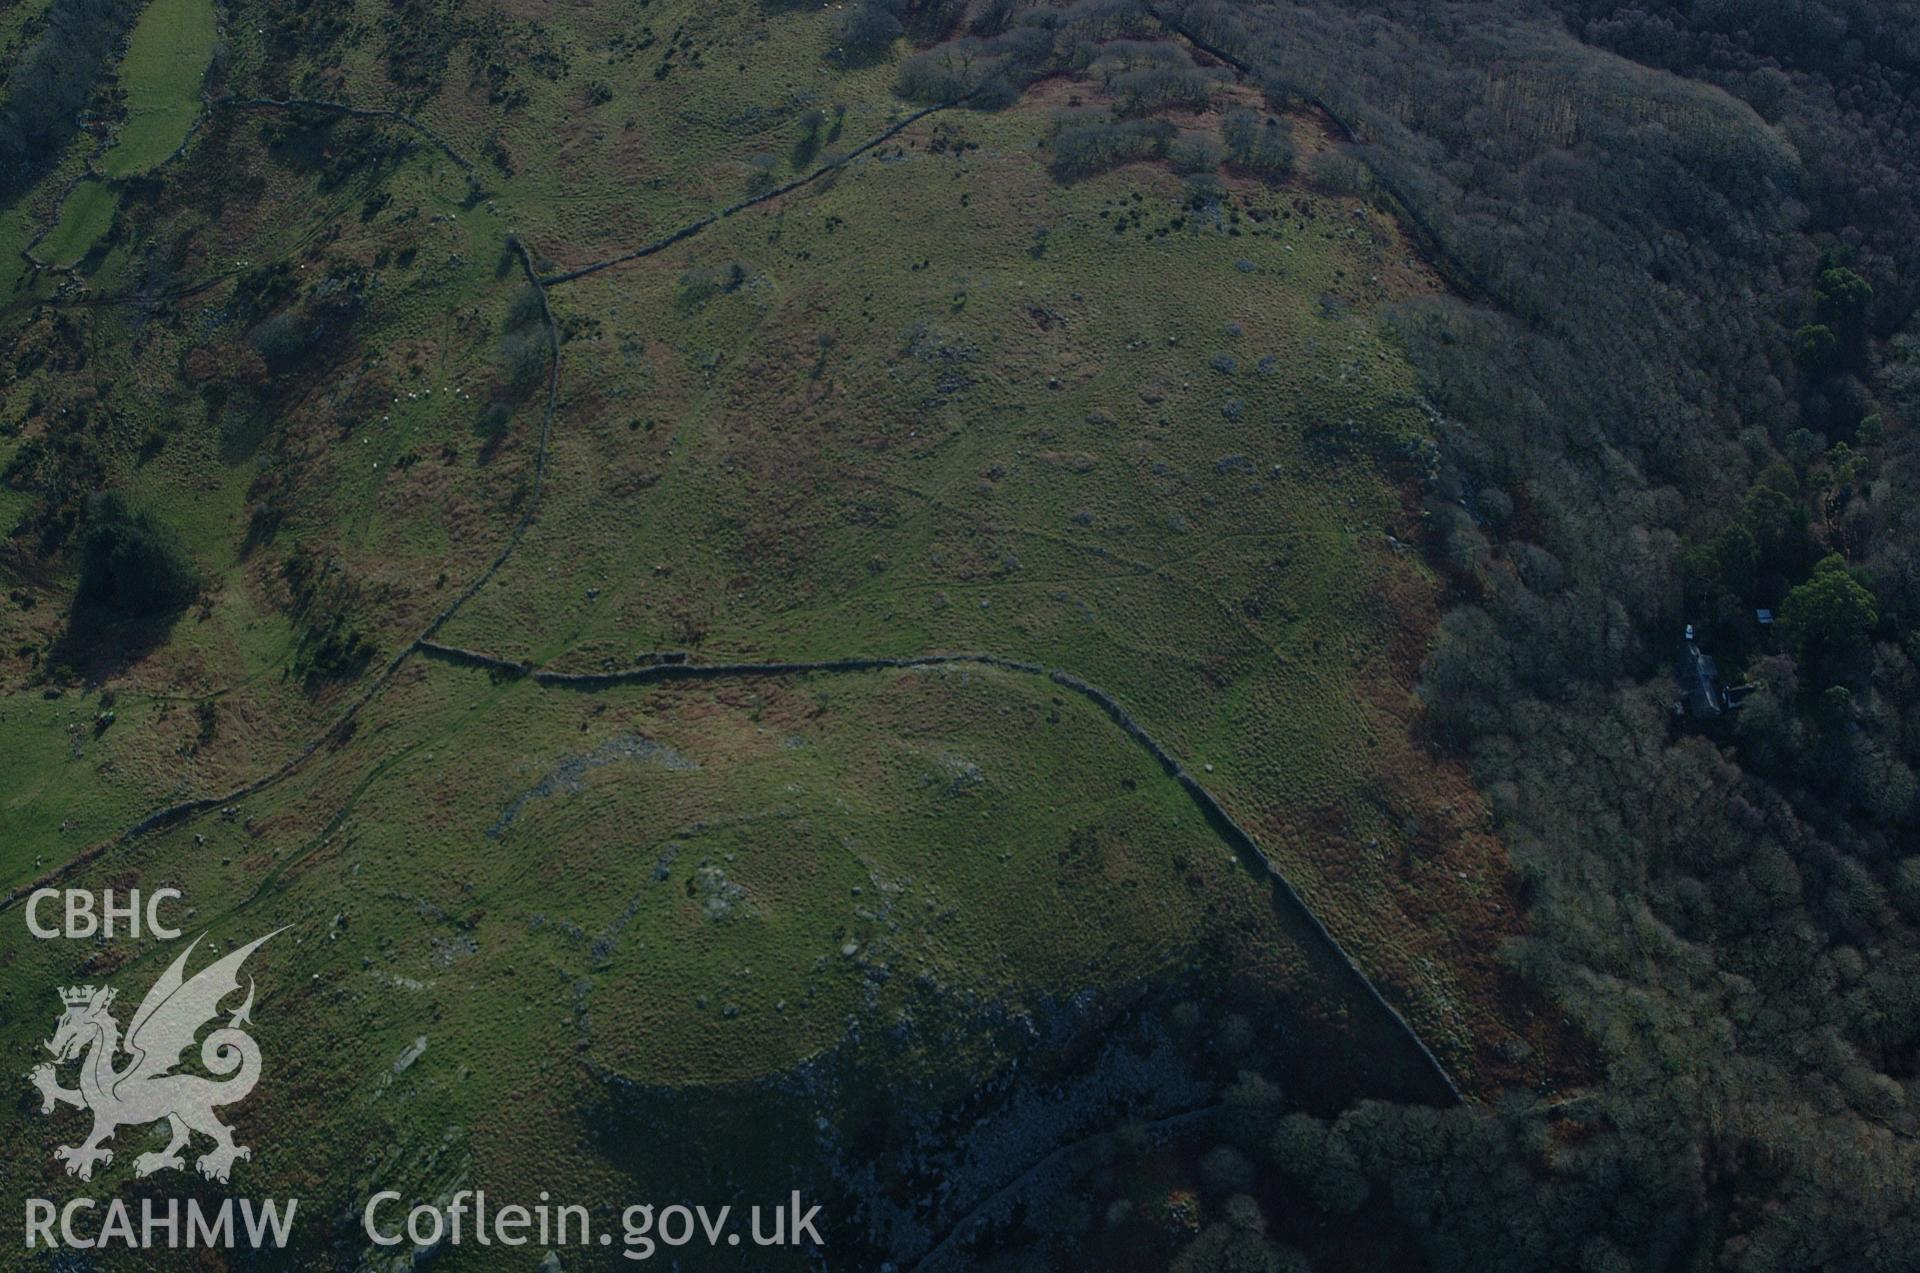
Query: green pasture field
x: 160, y: 76
x: 85, y: 215
x: 166, y: 58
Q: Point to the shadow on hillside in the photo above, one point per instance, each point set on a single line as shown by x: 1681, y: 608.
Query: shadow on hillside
x: 136, y: 579
x: 98, y: 644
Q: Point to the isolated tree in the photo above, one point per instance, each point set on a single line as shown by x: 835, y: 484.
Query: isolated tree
x: 1831, y: 613
x: 130, y: 564
x: 867, y: 30
x: 811, y: 124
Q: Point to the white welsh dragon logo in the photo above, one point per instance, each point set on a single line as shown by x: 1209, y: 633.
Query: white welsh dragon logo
x: 146, y: 1090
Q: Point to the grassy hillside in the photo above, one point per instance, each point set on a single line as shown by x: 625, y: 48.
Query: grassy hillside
x: 460, y: 360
